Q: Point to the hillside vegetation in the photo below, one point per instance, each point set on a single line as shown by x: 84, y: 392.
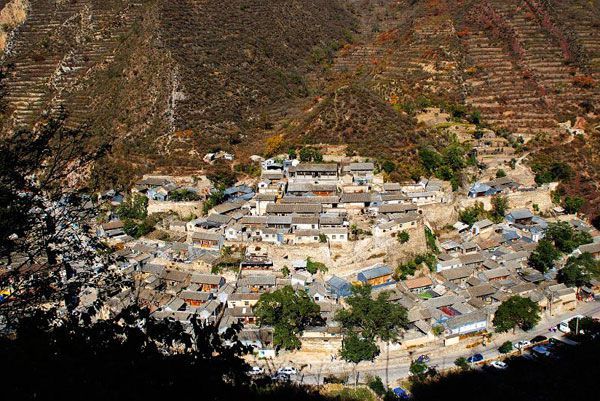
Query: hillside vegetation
x: 167, y: 81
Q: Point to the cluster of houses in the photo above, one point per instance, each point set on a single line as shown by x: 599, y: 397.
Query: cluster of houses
x: 299, y: 204
x: 474, y: 273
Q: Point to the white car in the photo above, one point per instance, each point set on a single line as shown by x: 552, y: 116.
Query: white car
x: 255, y: 371
x: 522, y: 344
x: 499, y: 365
x: 287, y: 370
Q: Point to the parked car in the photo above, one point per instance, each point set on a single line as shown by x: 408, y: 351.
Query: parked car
x: 256, y: 370
x: 540, y: 350
x: 475, y: 358
x: 499, y: 365
x: 281, y: 377
x: 522, y: 344
x: 423, y: 359
x: 401, y: 393
x: 538, y: 339
x: 287, y: 370
x: 564, y: 325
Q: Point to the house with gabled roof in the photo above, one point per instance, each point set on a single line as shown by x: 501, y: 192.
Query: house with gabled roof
x: 360, y: 172
x: 467, y: 323
x: 335, y: 234
x: 208, y: 240
x: 339, y: 287
x: 314, y: 172
x: 418, y: 285
x: 377, y: 275
x: 482, y: 226
x: 520, y: 216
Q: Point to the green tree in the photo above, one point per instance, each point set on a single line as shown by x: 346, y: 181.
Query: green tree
x: 368, y: 319
x: 471, y: 215
x: 579, y: 271
x: 134, y: 207
x: 285, y: 271
x: 313, y: 267
x: 357, y: 348
x: 586, y: 326
x: 462, y: 363
x: 431, y: 160
x: 573, y: 204
x: 403, y: 237
x: 406, y: 269
x: 454, y: 157
x: 288, y: 312
x: 506, y: 347
x: 516, y: 312
x: 376, y: 385
x: 418, y: 370
x: 428, y: 258
x: 475, y: 117
x: 388, y: 166
x: 499, y: 207
x: 565, y: 238
x: 183, y: 195
x: 215, y: 198
x: 557, y: 171
x: 500, y: 173
x: 438, y: 330
x: 544, y: 256
x: 430, y: 239
x: 307, y: 154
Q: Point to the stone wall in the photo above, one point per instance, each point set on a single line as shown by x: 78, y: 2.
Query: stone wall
x: 183, y: 209
x: 520, y: 199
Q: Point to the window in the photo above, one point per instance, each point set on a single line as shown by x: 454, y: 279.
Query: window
x: 333, y: 236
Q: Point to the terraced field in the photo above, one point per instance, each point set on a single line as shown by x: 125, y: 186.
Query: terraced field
x: 168, y: 80
x: 56, y: 49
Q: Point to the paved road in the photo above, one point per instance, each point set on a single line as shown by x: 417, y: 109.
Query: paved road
x: 399, y: 364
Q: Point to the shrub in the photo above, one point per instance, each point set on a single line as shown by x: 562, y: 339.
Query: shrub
x: 462, y: 363
x: 403, y: 237
x: 506, y: 347
x: 376, y: 385
x: 313, y: 267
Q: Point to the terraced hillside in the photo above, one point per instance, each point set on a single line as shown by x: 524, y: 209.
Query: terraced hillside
x: 172, y: 79
x: 526, y: 41
x: 242, y: 64
x: 57, y: 49
x: 176, y: 77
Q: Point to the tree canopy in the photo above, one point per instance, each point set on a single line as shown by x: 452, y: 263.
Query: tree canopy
x: 472, y: 214
x: 579, y: 271
x: 565, y: 238
x: 543, y: 256
x: 367, y: 319
x: 499, y: 207
x: 288, y: 312
x: 516, y: 312
x: 356, y: 349
x: 445, y: 165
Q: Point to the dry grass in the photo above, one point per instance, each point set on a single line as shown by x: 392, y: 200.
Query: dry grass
x: 12, y: 15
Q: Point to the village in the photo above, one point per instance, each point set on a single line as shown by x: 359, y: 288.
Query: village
x: 325, y: 227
